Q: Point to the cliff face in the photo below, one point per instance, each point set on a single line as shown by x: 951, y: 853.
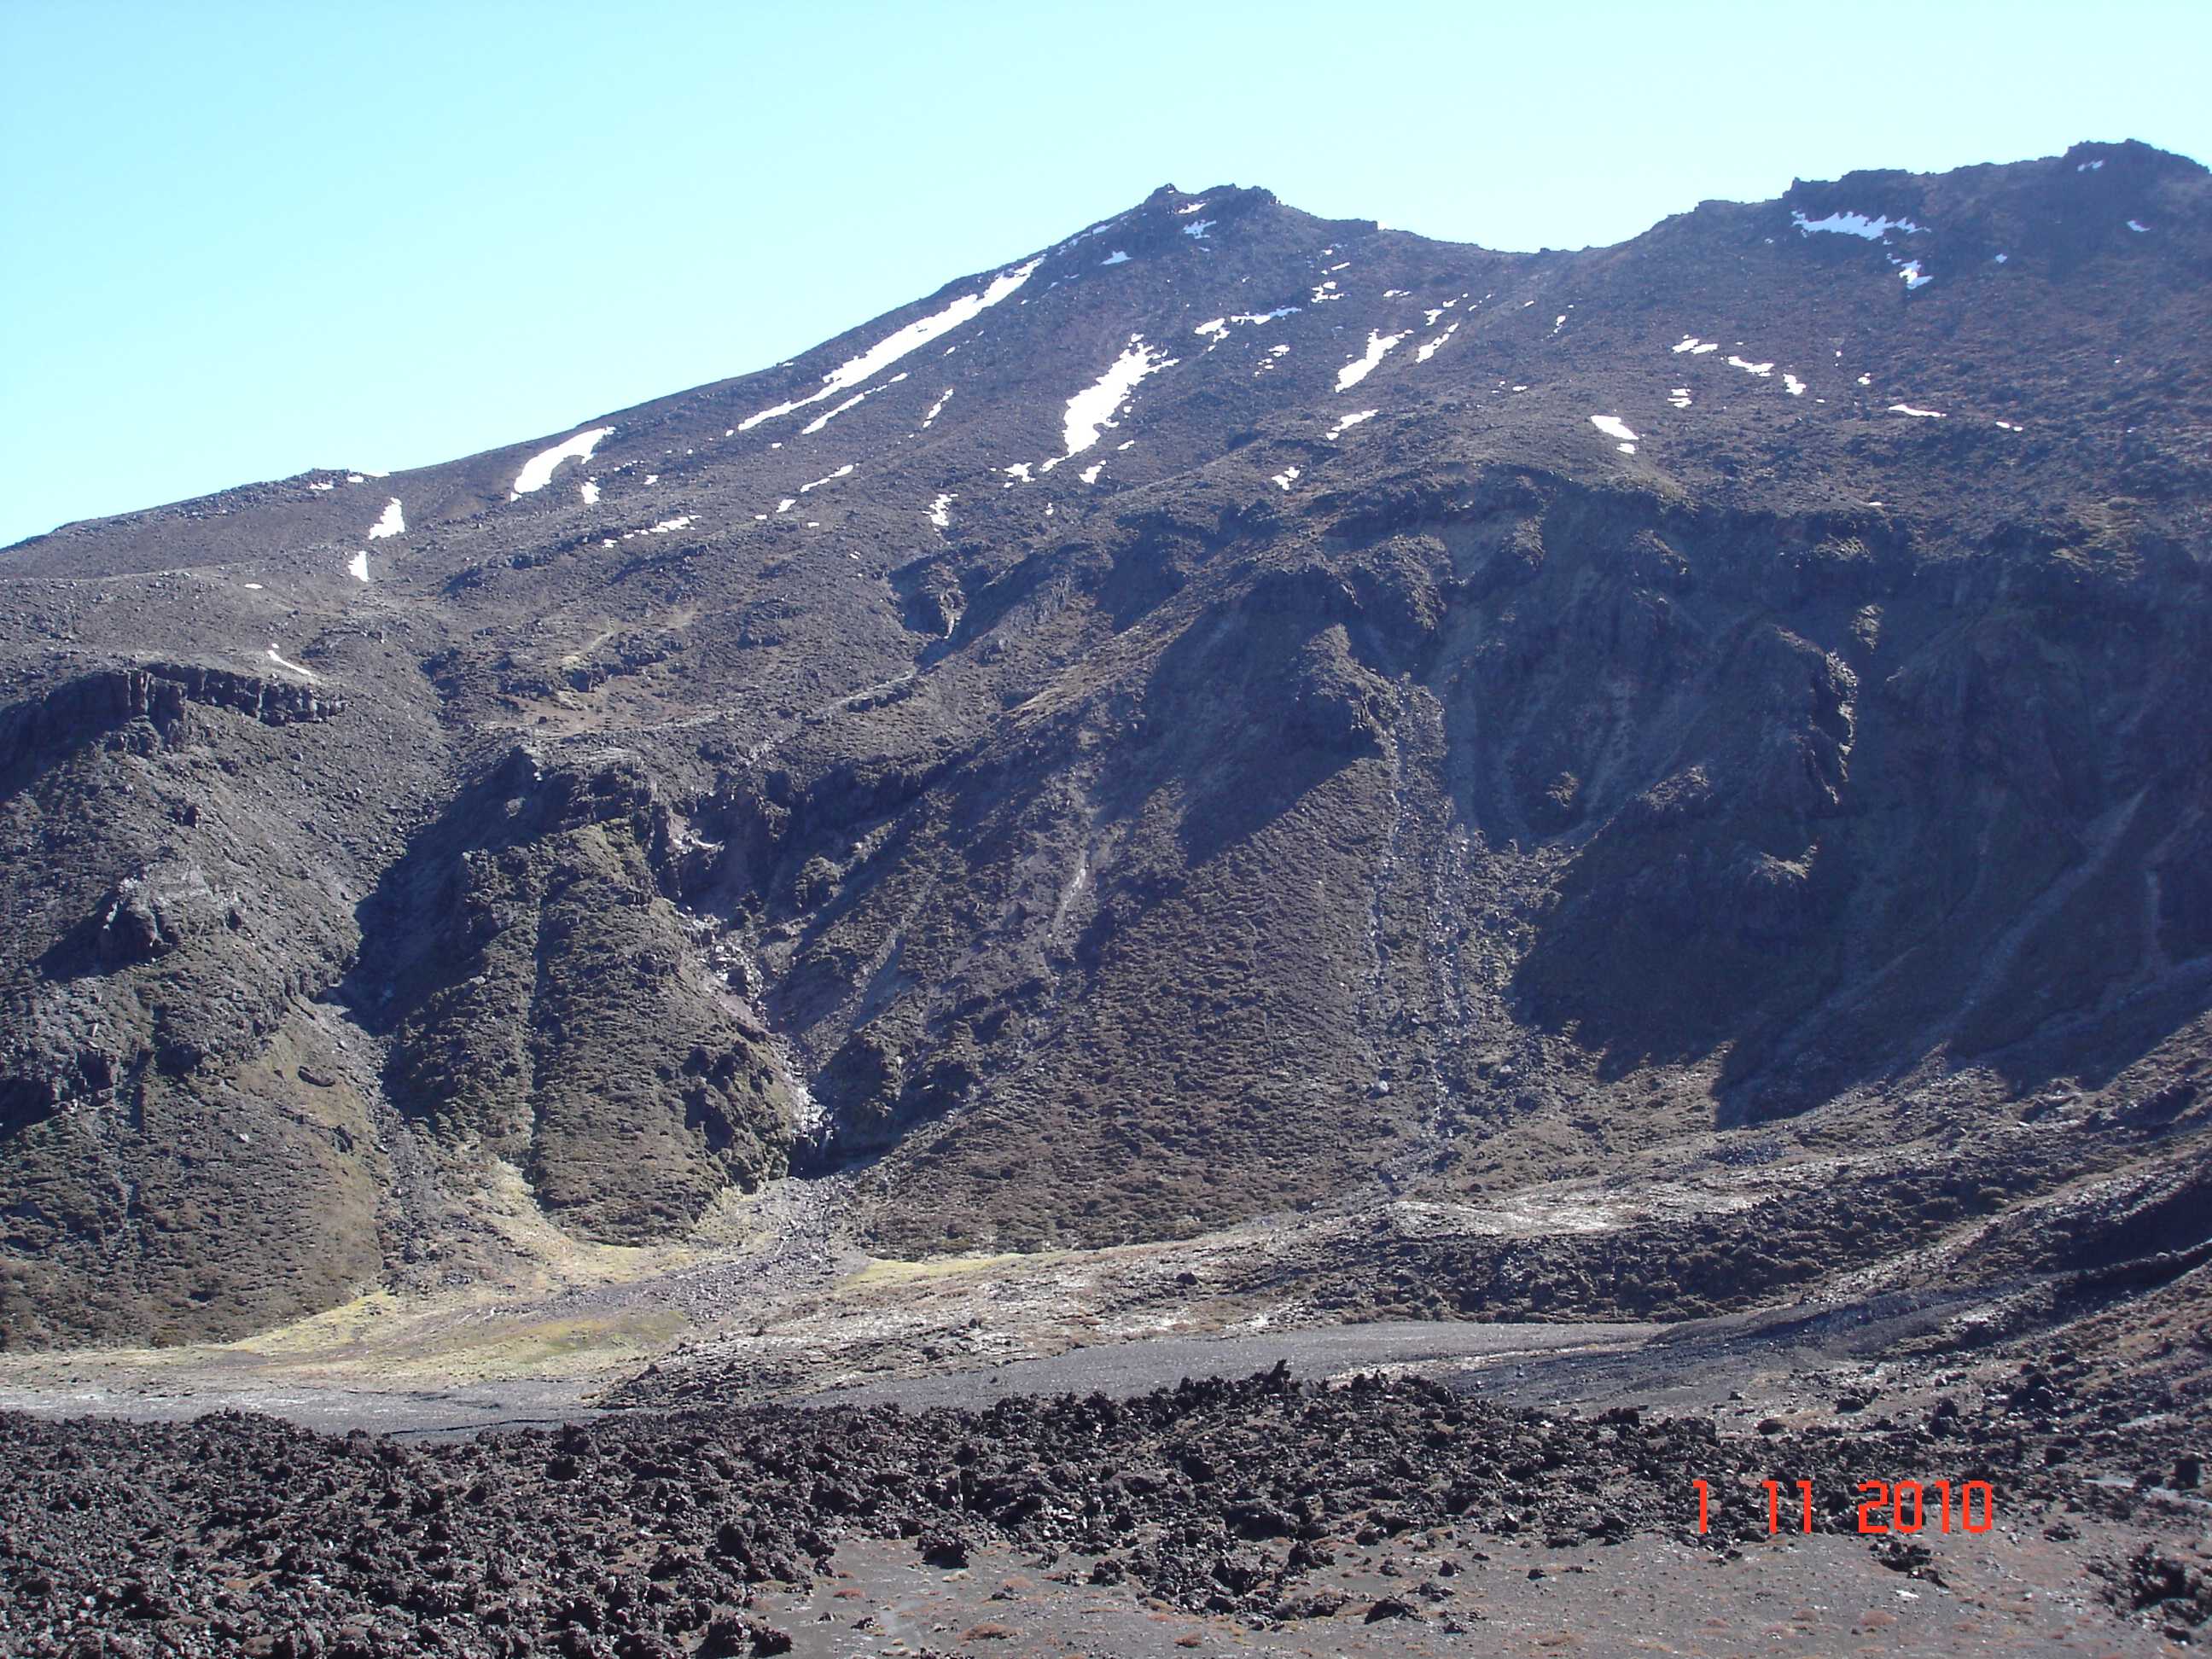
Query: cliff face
x: 1233, y: 713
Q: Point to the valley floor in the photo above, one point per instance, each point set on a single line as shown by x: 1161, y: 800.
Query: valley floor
x: 1557, y: 1487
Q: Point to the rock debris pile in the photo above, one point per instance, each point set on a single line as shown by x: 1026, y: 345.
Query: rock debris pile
x: 647, y: 1535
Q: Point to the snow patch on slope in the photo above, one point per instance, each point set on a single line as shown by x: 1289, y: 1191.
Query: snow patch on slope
x: 1428, y: 347
x: 1853, y: 224
x: 1092, y: 410
x: 1379, y: 346
x: 892, y: 347
x: 283, y: 662
x: 538, y: 472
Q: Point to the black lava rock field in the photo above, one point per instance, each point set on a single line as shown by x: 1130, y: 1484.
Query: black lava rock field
x: 650, y: 1535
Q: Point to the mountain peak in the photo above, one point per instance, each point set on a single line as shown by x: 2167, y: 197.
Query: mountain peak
x: 1229, y: 711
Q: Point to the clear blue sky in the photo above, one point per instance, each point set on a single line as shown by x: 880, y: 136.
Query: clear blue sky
x: 238, y: 240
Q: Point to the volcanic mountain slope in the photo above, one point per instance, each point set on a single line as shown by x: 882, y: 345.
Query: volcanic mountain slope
x: 1230, y: 712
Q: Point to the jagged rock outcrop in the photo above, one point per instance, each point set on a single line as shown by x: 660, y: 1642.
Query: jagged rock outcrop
x: 548, y: 1002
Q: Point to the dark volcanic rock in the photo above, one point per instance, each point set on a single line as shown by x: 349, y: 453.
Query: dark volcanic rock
x: 649, y: 1533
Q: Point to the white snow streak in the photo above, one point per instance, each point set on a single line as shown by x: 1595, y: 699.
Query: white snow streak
x: 393, y: 523
x: 357, y: 566
x: 1218, y: 328
x: 821, y: 421
x: 889, y: 349
x: 589, y: 489
x: 1093, y: 408
x: 1853, y: 224
x: 1287, y: 477
x: 1338, y: 430
x: 1428, y: 347
x: 1918, y: 414
x: 1116, y: 258
x: 1613, y: 426
x: 538, y: 472
x: 1090, y: 474
x: 1379, y: 346
x: 1792, y: 384
x: 937, y: 514
x: 832, y: 479
x: 1098, y: 229
x: 1763, y: 370
x: 283, y: 663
